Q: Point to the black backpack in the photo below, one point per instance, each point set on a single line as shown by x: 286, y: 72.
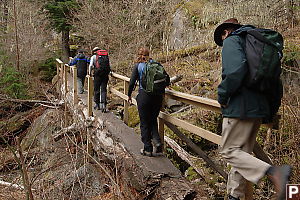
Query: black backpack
x: 102, y: 64
x: 263, y: 50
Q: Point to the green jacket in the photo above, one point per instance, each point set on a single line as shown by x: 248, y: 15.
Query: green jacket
x: 240, y: 101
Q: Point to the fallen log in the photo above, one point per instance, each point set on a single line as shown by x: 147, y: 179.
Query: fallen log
x: 13, y: 185
x: 197, y: 150
x: 155, y: 177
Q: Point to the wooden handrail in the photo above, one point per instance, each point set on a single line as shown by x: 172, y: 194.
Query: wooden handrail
x: 197, y: 101
x: 119, y: 76
x: 202, y: 102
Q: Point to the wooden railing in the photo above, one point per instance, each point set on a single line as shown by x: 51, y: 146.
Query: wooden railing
x: 164, y: 118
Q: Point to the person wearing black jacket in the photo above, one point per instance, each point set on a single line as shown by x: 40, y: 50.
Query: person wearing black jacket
x: 81, y: 61
x: 148, y: 106
x: 101, y: 78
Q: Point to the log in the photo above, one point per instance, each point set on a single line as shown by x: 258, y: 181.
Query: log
x: 16, y: 186
x: 111, y: 137
x: 197, y: 150
x: 191, y: 160
x: 61, y: 133
x: 176, y: 78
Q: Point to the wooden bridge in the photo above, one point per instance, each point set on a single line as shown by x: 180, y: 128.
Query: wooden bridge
x: 129, y: 143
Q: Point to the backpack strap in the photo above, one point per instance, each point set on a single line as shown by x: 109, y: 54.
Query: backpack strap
x: 97, y: 61
x: 260, y: 37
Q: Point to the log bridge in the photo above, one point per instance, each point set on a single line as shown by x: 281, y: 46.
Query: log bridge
x: 106, y: 132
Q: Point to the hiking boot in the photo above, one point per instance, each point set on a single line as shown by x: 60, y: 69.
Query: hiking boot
x: 146, y: 153
x: 103, y: 108
x: 159, y: 148
x: 97, y: 106
x: 280, y: 176
x: 232, y: 198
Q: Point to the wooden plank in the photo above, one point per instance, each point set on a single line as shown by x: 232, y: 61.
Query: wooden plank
x: 124, y: 78
x: 192, y: 128
x: 59, y: 61
x: 123, y: 96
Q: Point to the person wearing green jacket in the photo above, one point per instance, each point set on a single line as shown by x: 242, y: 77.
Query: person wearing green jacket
x: 243, y: 110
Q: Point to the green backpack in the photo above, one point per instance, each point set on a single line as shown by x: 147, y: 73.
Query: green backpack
x: 263, y: 52
x: 154, y: 78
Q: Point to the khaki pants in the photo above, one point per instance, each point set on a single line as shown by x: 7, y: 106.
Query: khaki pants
x: 238, y: 139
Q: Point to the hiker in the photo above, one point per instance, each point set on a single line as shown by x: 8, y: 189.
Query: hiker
x: 243, y: 110
x: 148, y: 102
x: 81, y: 61
x: 100, y: 68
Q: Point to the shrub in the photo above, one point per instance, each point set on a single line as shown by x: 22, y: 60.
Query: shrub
x: 48, y: 69
x: 12, y: 83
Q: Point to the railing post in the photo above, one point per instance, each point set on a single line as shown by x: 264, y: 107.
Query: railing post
x: 62, y: 69
x: 248, y: 191
x: 57, y: 70
x: 161, y: 124
x: 90, y: 95
x: 65, y: 79
x: 75, y: 94
x: 126, y: 104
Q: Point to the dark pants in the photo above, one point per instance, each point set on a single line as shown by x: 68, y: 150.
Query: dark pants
x: 100, y: 89
x: 80, y: 84
x: 149, y: 107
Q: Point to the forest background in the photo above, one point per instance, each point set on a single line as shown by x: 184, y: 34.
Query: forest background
x: 33, y: 33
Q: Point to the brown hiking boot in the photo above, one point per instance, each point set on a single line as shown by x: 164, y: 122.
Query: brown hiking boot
x: 279, y: 178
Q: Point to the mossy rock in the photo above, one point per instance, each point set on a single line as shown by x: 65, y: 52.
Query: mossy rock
x: 134, y: 118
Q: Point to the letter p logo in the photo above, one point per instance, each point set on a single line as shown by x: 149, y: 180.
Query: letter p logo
x: 293, y: 191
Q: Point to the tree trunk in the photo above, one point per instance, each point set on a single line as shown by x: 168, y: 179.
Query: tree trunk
x: 4, y: 15
x: 16, y: 37
x: 65, y: 46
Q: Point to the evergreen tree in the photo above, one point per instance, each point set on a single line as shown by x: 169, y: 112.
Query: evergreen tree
x: 60, y: 13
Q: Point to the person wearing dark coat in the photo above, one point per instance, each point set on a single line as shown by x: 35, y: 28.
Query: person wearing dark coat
x: 243, y: 110
x: 81, y: 61
x: 100, y: 83
x: 149, y: 106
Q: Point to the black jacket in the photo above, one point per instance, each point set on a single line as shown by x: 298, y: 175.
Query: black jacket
x: 81, y: 61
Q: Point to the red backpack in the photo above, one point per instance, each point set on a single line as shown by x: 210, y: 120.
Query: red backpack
x: 102, y: 63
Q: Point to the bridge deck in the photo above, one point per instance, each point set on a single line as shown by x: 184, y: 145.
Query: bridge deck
x: 132, y: 142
